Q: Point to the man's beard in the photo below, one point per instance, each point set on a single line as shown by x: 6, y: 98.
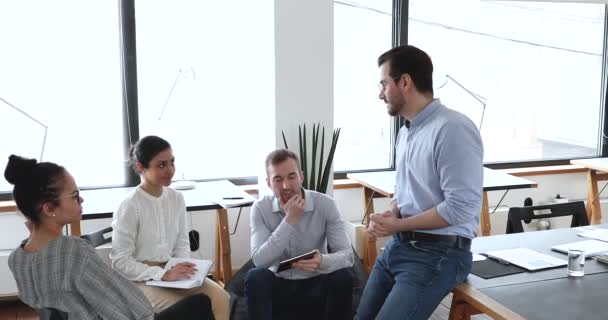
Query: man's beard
x: 395, y: 109
x: 392, y: 111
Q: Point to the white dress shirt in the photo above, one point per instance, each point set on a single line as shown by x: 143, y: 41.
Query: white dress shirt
x: 147, y: 228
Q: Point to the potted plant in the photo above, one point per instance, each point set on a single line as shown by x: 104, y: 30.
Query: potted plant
x: 316, y: 173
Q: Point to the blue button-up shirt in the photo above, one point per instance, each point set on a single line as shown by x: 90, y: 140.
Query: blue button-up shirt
x: 440, y: 164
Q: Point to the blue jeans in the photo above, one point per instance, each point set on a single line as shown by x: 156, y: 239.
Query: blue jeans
x: 410, y: 279
x: 328, y: 296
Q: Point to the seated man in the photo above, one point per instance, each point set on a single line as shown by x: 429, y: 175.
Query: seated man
x: 291, y: 222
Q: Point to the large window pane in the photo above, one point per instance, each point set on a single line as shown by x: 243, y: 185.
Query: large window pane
x: 362, y: 31
x: 536, y: 66
x: 60, y: 69
x: 206, y: 82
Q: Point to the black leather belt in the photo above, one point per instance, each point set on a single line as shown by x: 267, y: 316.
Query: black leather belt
x: 456, y: 241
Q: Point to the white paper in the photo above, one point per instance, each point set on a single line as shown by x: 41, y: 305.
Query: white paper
x: 527, y: 258
x: 196, y: 280
x: 599, y: 234
x: 478, y: 257
x: 590, y: 247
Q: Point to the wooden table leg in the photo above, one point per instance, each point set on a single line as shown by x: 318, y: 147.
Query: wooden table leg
x: 223, y: 246
x: 486, y: 226
x: 369, y: 259
x: 217, y: 274
x: 594, y: 211
x: 468, y: 301
x: 459, y: 311
x: 75, y: 228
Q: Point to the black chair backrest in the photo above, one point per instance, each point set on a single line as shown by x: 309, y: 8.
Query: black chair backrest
x: 575, y: 209
x: 52, y: 314
x: 98, y: 238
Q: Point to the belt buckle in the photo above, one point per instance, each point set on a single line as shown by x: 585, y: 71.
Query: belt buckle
x: 410, y: 235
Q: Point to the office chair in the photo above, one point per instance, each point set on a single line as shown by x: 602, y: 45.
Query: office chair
x: 575, y: 209
x: 97, y: 238
x: 52, y: 314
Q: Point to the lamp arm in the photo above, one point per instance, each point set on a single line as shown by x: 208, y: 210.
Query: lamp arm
x: 46, y: 128
x: 473, y: 94
x: 25, y: 114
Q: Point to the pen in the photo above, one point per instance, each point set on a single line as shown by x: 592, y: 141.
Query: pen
x: 233, y: 198
x: 501, y: 261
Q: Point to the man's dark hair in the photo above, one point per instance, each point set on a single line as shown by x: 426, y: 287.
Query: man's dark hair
x: 413, y: 61
x: 280, y: 155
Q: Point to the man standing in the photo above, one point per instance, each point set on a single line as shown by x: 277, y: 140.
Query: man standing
x: 291, y: 222
x: 438, y: 193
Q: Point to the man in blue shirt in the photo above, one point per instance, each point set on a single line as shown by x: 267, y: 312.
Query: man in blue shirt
x: 438, y: 193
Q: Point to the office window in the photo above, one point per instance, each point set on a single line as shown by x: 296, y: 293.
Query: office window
x: 362, y: 31
x: 60, y: 75
x: 206, y: 83
x: 537, y: 68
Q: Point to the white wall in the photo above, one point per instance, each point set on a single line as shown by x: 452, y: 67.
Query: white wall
x: 304, y: 53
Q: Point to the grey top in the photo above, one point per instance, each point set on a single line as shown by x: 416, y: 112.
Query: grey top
x: 563, y: 298
x: 68, y: 276
x: 440, y: 164
x: 274, y: 240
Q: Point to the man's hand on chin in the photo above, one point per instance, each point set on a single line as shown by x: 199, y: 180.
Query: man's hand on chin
x: 294, y: 208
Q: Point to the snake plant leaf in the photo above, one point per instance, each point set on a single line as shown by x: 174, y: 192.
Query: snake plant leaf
x: 330, y: 159
x: 284, y: 140
x: 315, y: 141
x: 316, y: 176
x: 319, y: 178
x: 304, y: 156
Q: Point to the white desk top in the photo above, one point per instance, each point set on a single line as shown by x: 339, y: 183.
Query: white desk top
x: 600, y: 164
x: 384, y: 181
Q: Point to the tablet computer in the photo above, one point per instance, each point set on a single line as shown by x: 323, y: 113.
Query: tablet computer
x: 286, y: 264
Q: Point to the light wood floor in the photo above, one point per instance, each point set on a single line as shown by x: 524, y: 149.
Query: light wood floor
x: 15, y: 310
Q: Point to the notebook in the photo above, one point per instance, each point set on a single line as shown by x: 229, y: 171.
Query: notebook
x: 197, y: 279
x: 491, y: 268
x: 602, y: 258
x: 591, y: 247
x: 526, y: 258
x: 286, y: 264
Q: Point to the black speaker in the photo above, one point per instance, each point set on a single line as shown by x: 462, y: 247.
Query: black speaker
x: 528, y: 203
x: 194, y: 240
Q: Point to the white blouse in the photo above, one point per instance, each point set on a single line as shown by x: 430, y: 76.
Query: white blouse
x: 147, y: 228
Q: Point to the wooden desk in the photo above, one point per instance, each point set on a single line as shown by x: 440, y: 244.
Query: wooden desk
x: 545, y: 294
x: 596, y: 171
x: 8, y: 206
x: 101, y: 203
x: 382, y: 184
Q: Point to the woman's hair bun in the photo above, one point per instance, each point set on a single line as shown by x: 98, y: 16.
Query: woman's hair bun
x: 19, y: 169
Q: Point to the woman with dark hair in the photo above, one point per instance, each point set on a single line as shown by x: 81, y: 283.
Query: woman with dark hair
x: 150, y: 227
x: 63, y: 272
